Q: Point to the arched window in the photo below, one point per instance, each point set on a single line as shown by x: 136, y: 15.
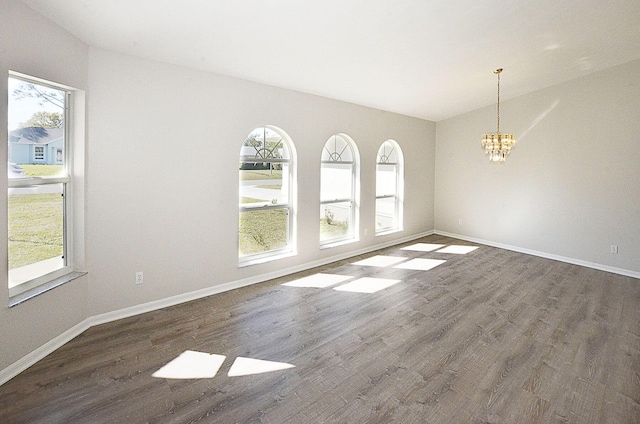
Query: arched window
x: 389, y: 188
x: 339, y: 190
x: 267, y: 196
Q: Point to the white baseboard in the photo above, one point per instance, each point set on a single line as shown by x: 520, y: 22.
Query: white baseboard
x: 25, y: 362
x: 620, y: 271
x: 41, y: 352
x: 220, y: 288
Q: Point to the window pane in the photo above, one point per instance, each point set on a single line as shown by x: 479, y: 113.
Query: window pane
x: 389, y: 187
x: 386, y: 183
x: 336, y: 181
x: 265, y: 195
x: 337, y: 149
x: 36, y: 231
x: 335, y: 221
x: 36, y: 148
x: 264, y: 144
x: 264, y: 184
x: 263, y: 231
x: 36, y: 129
x: 387, y: 153
x: 385, y: 213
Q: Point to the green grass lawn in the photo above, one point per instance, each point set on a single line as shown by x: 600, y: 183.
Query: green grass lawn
x: 35, y: 222
x: 262, y: 231
x: 41, y: 170
x: 260, y: 174
x: 333, y: 230
x: 35, y: 228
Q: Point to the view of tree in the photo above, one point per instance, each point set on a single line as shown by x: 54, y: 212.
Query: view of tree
x: 252, y: 141
x: 44, y: 120
x: 54, y: 97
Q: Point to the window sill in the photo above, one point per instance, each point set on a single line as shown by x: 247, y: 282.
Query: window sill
x: 338, y: 243
x: 264, y: 259
x: 31, y: 293
x: 388, y: 231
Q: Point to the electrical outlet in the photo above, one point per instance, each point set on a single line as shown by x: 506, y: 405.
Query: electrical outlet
x: 614, y: 249
x: 460, y: 221
x: 139, y: 277
x: 366, y: 231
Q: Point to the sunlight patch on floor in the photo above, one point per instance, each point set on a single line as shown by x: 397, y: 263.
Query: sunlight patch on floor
x: 380, y: 260
x: 196, y: 365
x: 367, y: 285
x: 191, y: 365
x: 249, y: 366
x: 319, y: 280
x: 421, y: 264
x: 423, y: 247
x: 457, y: 249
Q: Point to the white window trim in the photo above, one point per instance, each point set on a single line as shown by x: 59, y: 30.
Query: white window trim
x: 399, y: 191
x: 354, y: 200
x: 291, y: 247
x: 74, y: 193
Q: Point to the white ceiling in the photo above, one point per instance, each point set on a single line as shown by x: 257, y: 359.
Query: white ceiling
x: 431, y: 59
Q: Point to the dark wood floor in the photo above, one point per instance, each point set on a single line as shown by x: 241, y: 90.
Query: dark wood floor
x: 488, y: 337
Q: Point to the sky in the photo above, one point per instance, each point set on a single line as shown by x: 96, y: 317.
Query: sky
x: 22, y: 109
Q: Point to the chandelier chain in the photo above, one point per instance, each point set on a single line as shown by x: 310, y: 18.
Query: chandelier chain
x: 498, y: 71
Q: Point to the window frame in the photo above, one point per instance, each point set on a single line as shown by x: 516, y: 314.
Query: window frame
x: 398, y: 194
x: 290, y: 207
x: 38, y: 153
x: 73, y: 216
x: 353, y: 234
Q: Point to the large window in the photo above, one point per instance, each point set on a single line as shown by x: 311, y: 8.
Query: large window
x: 39, y: 183
x: 267, y: 178
x: 338, y: 191
x: 389, y: 188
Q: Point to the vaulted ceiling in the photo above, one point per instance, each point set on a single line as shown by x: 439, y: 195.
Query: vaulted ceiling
x: 431, y: 59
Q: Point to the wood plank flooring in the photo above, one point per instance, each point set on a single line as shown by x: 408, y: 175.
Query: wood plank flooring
x: 490, y: 336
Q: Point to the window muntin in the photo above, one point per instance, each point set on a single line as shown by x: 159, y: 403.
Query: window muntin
x: 389, y: 188
x: 338, y: 190
x: 38, y: 181
x: 266, y: 177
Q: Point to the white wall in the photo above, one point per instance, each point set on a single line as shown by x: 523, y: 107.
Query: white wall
x: 162, y: 157
x: 162, y: 152
x: 32, y: 45
x: 571, y: 186
x: 163, y: 174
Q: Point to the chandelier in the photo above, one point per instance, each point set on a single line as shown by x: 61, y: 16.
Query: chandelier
x: 498, y: 145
